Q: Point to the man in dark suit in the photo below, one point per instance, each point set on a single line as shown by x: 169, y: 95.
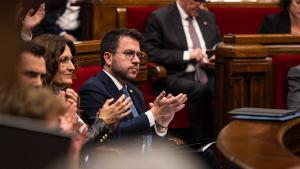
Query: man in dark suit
x: 177, y: 37
x: 120, y: 57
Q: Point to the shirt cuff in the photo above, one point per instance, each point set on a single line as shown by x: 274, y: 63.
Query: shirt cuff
x: 159, y: 133
x: 186, y: 55
x: 26, y: 36
x: 151, y: 118
x: 62, y: 33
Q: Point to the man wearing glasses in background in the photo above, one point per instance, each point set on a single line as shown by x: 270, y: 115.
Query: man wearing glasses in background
x: 120, y: 57
x: 177, y: 36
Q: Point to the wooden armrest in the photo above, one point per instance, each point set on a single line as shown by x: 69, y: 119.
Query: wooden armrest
x: 156, y: 71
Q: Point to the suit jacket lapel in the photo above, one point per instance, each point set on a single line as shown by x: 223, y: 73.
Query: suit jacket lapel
x: 109, y: 85
x: 202, y: 22
x: 116, y: 94
x: 175, y: 18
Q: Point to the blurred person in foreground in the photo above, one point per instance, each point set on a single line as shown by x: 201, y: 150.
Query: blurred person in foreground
x: 177, y: 36
x: 165, y: 157
x: 287, y: 21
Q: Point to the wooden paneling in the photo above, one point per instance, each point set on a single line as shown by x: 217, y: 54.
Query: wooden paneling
x: 244, y: 72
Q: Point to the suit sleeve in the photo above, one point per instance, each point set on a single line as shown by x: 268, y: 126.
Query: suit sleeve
x: 154, y: 43
x: 92, y: 98
x: 293, y: 98
x: 265, y: 26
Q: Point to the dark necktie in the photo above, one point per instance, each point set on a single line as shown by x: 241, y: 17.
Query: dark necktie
x: 200, y: 74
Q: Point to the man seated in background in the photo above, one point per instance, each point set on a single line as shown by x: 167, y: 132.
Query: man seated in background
x: 120, y: 57
x: 177, y: 36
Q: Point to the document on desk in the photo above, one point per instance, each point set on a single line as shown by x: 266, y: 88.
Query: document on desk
x: 264, y: 114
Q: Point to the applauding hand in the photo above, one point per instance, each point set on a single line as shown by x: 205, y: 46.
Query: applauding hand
x: 111, y: 113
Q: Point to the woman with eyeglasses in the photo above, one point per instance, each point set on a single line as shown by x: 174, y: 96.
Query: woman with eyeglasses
x: 287, y: 21
x: 61, y: 66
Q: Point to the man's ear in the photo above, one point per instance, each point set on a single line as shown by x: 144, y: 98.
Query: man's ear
x: 108, y: 59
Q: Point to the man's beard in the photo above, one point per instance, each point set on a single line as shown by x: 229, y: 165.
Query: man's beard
x: 120, y: 75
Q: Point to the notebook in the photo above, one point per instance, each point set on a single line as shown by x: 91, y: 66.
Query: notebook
x: 262, y: 112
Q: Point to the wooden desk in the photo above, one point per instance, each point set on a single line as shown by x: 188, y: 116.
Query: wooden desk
x: 260, y: 144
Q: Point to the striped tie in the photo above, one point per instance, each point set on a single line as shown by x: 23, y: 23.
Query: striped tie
x: 200, y: 74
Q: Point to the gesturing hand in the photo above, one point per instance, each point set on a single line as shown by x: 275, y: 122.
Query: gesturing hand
x: 111, y: 113
x: 71, y: 96
x: 31, y: 20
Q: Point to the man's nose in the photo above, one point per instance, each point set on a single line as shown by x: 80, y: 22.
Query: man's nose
x: 135, y: 59
x: 38, y: 82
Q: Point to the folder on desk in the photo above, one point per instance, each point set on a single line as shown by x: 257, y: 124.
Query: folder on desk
x: 264, y: 114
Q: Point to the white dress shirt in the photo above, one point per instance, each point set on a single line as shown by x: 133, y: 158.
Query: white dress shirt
x: 185, y: 25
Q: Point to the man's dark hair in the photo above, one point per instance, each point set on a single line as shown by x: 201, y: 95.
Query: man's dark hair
x: 285, y: 4
x: 33, y: 48
x: 110, y: 41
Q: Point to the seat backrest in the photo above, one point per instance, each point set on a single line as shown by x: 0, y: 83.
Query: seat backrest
x: 282, y: 63
x: 140, y: 15
x: 241, y: 20
x: 235, y: 20
x: 83, y: 74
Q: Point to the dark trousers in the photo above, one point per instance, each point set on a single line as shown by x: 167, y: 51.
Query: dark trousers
x: 199, y: 101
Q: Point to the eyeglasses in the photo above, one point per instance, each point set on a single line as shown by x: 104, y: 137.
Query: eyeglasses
x: 65, y: 61
x: 129, y: 54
